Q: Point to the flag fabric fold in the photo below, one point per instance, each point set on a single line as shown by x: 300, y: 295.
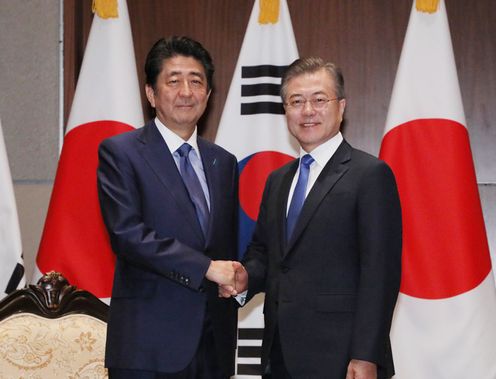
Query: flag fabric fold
x: 11, y: 263
x: 253, y: 128
x: 443, y: 325
x: 106, y: 102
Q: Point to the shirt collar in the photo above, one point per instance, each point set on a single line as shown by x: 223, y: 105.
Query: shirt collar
x: 172, y: 140
x: 324, y: 152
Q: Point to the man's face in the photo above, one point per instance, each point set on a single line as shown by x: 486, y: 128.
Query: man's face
x: 309, y: 122
x: 180, y: 95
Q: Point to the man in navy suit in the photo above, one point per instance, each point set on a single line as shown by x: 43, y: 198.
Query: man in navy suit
x: 169, y: 202
x: 327, y: 245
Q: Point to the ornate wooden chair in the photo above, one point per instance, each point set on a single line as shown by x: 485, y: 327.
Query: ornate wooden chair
x: 52, y: 330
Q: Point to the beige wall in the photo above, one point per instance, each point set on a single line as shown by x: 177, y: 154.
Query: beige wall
x: 29, y: 108
x: 32, y: 202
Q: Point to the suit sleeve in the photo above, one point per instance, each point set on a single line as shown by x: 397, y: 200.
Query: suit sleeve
x: 256, y: 256
x: 380, y: 243
x: 132, y: 240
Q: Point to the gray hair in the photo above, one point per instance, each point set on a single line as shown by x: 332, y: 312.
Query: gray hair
x: 311, y: 65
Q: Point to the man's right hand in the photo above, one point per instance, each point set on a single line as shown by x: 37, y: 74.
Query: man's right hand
x: 221, y: 272
x: 240, y: 284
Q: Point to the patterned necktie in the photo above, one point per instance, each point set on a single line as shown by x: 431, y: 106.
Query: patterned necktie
x: 193, y: 186
x: 298, y: 195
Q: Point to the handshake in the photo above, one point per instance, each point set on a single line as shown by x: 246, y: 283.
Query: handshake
x: 231, y: 277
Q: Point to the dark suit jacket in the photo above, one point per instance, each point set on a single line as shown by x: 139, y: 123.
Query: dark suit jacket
x: 331, y: 290
x: 159, y: 295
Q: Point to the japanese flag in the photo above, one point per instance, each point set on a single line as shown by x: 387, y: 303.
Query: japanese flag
x: 107, y: 102
x: 444, y: 323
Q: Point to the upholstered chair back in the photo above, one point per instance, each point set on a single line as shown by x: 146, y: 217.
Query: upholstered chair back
x: 52, y: 330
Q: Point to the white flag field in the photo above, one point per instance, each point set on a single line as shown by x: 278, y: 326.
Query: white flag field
x: 11, y: 264
x: 253, y: 128
x: 106, y: 102
x: 445, y: 319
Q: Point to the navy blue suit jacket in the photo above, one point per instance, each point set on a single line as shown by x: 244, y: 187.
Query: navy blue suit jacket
x: 160, y: 294
x: 332, y: 288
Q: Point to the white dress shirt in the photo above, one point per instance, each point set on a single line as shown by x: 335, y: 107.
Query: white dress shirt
x: 321, y: 155
x: 174, y: 142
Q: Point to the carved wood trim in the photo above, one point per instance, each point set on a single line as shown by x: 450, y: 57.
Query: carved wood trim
x: 53, y: 297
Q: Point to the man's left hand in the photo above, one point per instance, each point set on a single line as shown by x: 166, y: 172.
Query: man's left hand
x: 358, y: 369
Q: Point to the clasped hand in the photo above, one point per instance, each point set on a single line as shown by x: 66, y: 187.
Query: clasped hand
x: 231, y: 277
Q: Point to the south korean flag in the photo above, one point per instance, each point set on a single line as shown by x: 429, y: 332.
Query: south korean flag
x: 253, y: 127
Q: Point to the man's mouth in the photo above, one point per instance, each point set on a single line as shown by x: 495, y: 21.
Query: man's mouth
x: 308, y: 124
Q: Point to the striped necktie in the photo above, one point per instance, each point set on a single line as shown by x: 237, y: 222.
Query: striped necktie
x: 193, y: 186
x: 298, y: 195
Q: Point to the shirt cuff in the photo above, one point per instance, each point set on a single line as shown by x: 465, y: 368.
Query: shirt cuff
x: 241, y: 298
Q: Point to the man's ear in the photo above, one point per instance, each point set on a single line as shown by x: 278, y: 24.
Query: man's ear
x: 150, y: 94
x: 342, y: 106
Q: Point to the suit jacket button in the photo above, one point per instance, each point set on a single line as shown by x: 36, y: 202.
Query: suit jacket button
x: 284, y: 269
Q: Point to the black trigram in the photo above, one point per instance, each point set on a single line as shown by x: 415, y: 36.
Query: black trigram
x: 15, y: 278
x: 249, y: 351
x: 259, y: 81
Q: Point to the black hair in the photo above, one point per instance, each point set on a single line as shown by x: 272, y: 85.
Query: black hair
x: 166, y: 48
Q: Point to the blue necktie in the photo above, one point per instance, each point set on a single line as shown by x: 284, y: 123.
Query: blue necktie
x: 298, y: 195
x: 193, y: 186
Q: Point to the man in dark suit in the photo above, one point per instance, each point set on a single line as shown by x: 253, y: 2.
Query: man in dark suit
x: 327, y: 245
x: 169, y: 202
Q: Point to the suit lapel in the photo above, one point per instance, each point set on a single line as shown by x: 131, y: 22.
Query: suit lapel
x: 157, y: 155
x: 209, y: 161
x: 332, y: 172
x: 282, y: 202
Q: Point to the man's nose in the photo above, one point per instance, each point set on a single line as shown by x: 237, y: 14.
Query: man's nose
x: 185, y: 89
x: 308, y: 108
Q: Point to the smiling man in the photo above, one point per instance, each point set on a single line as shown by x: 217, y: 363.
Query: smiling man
x: 169, y: 202
x: 327, y: 245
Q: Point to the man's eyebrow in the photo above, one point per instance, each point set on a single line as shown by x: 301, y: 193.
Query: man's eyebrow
x: 313, y: 94
x: 194, y: 73
x: 197, y: 73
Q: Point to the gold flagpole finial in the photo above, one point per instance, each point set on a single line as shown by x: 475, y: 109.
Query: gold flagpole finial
x: 429, y: 6
x: 105, y: 8
x: 269, y: 12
